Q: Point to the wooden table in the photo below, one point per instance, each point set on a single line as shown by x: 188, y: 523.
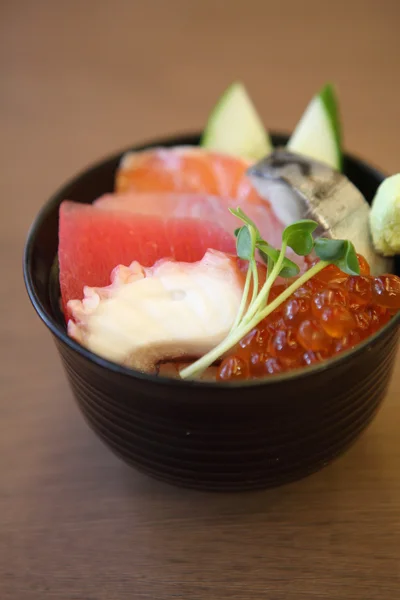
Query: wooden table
x: 80, y: 79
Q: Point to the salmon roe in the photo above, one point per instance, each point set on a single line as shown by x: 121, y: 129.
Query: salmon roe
x: 329, y: 314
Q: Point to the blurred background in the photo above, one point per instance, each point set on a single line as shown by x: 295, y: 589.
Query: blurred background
x: 81, y: 79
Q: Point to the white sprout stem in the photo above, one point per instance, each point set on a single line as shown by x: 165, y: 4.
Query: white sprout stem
x: 233, y: 338
x: 264, y: 292
x: 244, y: 298
x: 251, y: 273
x: 268, y: 291
x: 255, y: 282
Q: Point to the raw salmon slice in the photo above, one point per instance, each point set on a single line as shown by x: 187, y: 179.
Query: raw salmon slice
x: 186, y: 169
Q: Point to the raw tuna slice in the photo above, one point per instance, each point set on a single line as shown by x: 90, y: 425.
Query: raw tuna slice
x: 92, y: 242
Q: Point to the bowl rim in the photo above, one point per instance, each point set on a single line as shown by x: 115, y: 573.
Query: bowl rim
x: 61, y: 334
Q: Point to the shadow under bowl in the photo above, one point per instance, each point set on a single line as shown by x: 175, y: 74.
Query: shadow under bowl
x: 221, y: 437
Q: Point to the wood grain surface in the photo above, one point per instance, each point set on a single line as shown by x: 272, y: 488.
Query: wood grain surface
x: 80, y: 79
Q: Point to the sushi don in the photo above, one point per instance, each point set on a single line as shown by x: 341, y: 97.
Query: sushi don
x: 233, y: 260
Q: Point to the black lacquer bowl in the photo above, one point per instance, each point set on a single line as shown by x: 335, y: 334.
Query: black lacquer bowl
x: 206, y: 435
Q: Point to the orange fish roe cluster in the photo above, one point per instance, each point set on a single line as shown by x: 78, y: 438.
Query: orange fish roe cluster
x: 331, y: 313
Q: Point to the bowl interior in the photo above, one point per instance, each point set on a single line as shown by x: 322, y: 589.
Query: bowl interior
x: 40, y: 264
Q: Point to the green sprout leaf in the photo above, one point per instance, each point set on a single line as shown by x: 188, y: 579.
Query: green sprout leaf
x: 329, y: 250
x: 244, y: 244
x: 298, y: 236
x: 349, y: 263
x: 237, y: 212
x: 289, y: 268
x: 267, y: 250
x: 338, y: 252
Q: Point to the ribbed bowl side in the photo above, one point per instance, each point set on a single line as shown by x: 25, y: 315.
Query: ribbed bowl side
x: 238, y: 439
x: 213, y: 437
